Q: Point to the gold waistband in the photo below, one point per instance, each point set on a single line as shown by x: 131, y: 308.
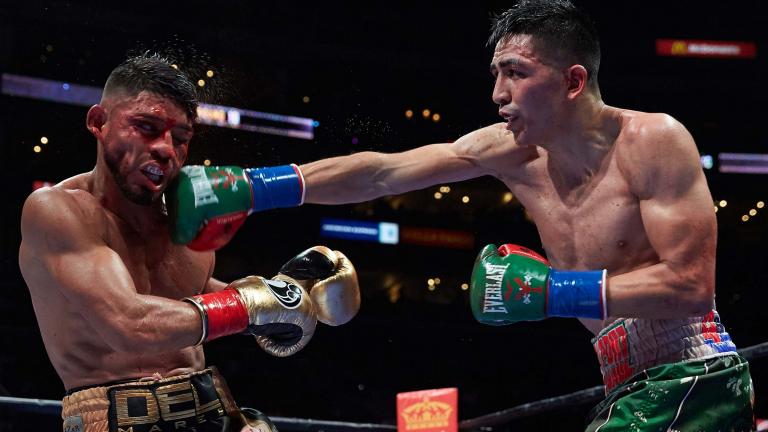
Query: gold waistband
x: 88, y: 410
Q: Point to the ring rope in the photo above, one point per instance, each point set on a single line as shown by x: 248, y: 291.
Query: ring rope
x: 53, y: 407
x: 592, y: 394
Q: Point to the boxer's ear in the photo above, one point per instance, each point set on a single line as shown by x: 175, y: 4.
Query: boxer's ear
x: 95, y: 120
x: 576, y: 78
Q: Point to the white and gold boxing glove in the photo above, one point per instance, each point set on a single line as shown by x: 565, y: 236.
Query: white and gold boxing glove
x: 278, y: 312
x: 331, y: 280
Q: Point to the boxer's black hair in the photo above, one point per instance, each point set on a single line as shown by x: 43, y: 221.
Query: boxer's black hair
x: 154, y: 73
x: 559, y: 25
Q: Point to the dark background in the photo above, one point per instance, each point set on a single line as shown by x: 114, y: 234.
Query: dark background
x: 363, y: 64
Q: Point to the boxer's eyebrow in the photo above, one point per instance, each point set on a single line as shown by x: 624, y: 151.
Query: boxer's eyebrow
x: 168, y: 123
x: 509, y: 61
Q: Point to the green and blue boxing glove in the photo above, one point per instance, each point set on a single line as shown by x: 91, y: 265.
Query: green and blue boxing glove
x: 207, y: 204
x: 513, y: 283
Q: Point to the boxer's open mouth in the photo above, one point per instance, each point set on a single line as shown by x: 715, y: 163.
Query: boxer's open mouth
x: 154, y: 173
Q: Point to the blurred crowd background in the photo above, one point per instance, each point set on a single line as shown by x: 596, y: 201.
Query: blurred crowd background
x: 382, y: 76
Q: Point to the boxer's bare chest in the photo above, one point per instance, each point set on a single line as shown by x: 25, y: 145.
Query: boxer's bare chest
x: 594, y: 224
x: 156, y: 265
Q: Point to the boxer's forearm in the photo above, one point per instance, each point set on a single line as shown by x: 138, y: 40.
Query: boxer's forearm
x: 368, y: 175
x: 152, y: 324
x: 345, y: 179
x: 661, y: 291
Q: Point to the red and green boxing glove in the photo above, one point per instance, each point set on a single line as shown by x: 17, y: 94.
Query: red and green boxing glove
x: 207, y: 204
x: 513, y: 283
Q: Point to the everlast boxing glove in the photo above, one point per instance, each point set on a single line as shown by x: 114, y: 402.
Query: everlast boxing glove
x: 206, y: 205
x: 515, y: 283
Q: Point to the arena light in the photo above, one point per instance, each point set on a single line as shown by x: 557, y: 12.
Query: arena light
x: 305, y: 99
x: 207, y: 162
x: 438, y: 195
x: 425, y: 113
x: 760, y: 204
x: 209, y: 74
x: 445, y: 189
x: 437, y: 237
x: 37, y: 184
x: 464, y: 287
x: 201, y: 83
x: 378, y: 232
x: 752, y: 212
x: 435, y: 117
x: 208, y: 114
x: 465, y: 199
x: 743, y: 163
x: 43, y: 140
x: 37, y: 149
x: 408, y: 114
x: 723, y: 203
x: 705, y: 48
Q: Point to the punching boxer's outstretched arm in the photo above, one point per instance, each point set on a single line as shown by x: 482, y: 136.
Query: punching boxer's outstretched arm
x: 367, y: 175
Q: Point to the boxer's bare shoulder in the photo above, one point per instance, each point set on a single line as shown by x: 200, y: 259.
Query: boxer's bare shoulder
x: 494, y: 148
x: 62, y: 211
x: 653, y: 147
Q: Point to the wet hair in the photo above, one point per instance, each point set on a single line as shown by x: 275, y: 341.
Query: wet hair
x: 563, y: 30
x: 154, y: 73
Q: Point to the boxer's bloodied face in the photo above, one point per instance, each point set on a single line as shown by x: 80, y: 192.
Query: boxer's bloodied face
x: 528, y: 88
x: 145, y: 142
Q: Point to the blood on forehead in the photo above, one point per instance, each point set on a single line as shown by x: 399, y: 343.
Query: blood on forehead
x: 155, y: 108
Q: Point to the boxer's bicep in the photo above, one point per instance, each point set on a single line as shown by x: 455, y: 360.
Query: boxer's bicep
x: 662, y: 168
x: 676, y: 210
x: 62, y: 251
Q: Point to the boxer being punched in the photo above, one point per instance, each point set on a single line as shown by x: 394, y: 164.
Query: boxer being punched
x: 624, y: 214
x: 123, y: 311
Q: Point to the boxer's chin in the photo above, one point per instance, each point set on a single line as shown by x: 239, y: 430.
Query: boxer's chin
x: 142, y: 196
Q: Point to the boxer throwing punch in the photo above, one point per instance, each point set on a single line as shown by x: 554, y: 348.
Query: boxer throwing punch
x: 123, y: 310
x: 624, y: 214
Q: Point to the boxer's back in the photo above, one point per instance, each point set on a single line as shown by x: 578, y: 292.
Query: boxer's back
x: 80, y: 354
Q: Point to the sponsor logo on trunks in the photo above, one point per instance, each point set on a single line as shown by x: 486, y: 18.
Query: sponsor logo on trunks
x: 171, y: 407
x: 715, y: 335
x: 612, y: 350
x: 288, y: 294
x: 73, y: 424
x: 493, y: 301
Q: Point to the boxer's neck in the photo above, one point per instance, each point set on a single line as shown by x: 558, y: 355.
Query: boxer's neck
x: 144, y: 219
x: 584, y: 138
